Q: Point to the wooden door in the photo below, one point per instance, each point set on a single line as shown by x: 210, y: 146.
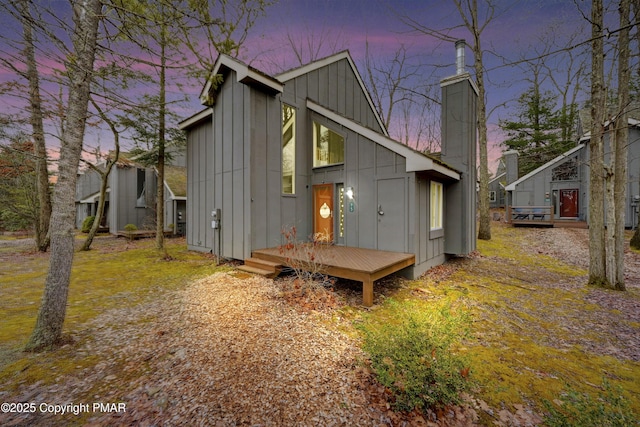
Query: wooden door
x: 323, y: 212
x: 569, y: 203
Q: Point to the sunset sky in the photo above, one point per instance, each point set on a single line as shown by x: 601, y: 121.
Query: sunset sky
x: 349, y: 24
x: 335, y: 25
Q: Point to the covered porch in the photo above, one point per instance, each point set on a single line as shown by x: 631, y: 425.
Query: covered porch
x: 359, y: 264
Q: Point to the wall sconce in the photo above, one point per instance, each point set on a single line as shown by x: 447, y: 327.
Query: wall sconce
x: 349, y: 192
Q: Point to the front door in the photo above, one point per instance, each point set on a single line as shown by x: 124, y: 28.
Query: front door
x: 323, y: 212
x: 569, y: 203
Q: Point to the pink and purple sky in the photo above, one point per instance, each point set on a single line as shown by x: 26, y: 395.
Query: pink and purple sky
x: 328, y: 26
x: 333, y: 25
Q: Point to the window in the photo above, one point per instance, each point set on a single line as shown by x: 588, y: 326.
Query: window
x: 141, y: 201
x: 328, y: 146
x: 288, y: 149
x: 492, y: 196
x: 568, y: 171
x: 436, y: 205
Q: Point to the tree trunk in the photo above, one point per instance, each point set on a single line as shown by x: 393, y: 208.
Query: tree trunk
x: 36, y: 116
x: 620, y: 152
x: 48, y: 329
x: 161, y: 144
x: 610, y: 229
x: 104, y: 183
x: 597, y: 273
x: 484, y: 226
x: 104, y: 176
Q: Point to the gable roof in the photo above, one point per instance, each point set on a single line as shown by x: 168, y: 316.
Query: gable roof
x: 175, y: 178
x: 254, y: 77
x: 244, y: 74
x: 497, y: 177
x: 198, y: 117
x: 558, y: 159
x: 323, y: 62
x: 415, y: 161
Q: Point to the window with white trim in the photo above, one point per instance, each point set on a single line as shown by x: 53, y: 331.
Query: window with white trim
x: 437, y: 205
x: 288, y: 149
x: 492, y: 196
x: 328, y: 146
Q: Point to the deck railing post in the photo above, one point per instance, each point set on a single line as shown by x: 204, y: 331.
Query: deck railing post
x: 367, y: 292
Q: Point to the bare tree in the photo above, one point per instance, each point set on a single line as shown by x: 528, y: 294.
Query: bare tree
x: 48, y: 329
x: 404, y: 98
x: 597, y: 272
x: 22, y: 11
x: 617, y: 190
x: 315, y: 45
x: 468, y: 11
x: 166, y: 31
x: 110, y: 161
x: 567, y: 77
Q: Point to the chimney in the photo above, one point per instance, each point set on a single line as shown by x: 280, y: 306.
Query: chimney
x: 511, y: 164
x: 460, y: 48
x: 458, y: 150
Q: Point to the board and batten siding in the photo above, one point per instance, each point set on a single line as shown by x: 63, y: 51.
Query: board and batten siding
x: 123, y: 199
x: 199, y: 186
x: 336, y: 87
x: 265, y: 171
x: 232, y: 117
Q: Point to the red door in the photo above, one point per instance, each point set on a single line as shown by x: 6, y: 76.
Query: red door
x: 569, y: 203
x: 323, y: 212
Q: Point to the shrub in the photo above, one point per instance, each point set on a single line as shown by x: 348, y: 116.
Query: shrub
x: 306, y: 258
x: 610, y: 409
x: 88, y: 223
x: 410, y: 346
x: 130, y: 228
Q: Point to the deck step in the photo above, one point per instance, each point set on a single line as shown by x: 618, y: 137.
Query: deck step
x: 263, y: 264
x: 261, y: 267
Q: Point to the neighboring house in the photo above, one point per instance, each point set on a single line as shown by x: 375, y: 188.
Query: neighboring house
x: 175, y: 198
x: 562, y: 184
x: 306, y: 148
x: 131, y: 196
x: 87, y: 197
x: 496, y: 186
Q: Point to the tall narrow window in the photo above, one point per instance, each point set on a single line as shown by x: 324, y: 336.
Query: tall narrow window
x: 288, y: 149
x: 436, y: 205
x: 328, y: 146
x: 141, y: 176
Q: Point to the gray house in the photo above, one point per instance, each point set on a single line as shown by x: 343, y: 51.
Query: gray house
x: 306, y: 148
x: 497, y: 193
x: 560, y: 188
x: 131, y: 196
x: 87, y: 197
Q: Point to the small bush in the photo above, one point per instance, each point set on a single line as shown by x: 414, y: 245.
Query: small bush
x: 88, y: 223
x: 411, y: 353
x: 306, y: 258
x: 130, y: 228
x: 575, y: 409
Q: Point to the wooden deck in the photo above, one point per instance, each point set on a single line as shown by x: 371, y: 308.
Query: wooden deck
x: 540, y: 216
x: 363, y: 265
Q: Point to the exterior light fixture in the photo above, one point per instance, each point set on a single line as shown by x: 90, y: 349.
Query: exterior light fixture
x: 349, y: 192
